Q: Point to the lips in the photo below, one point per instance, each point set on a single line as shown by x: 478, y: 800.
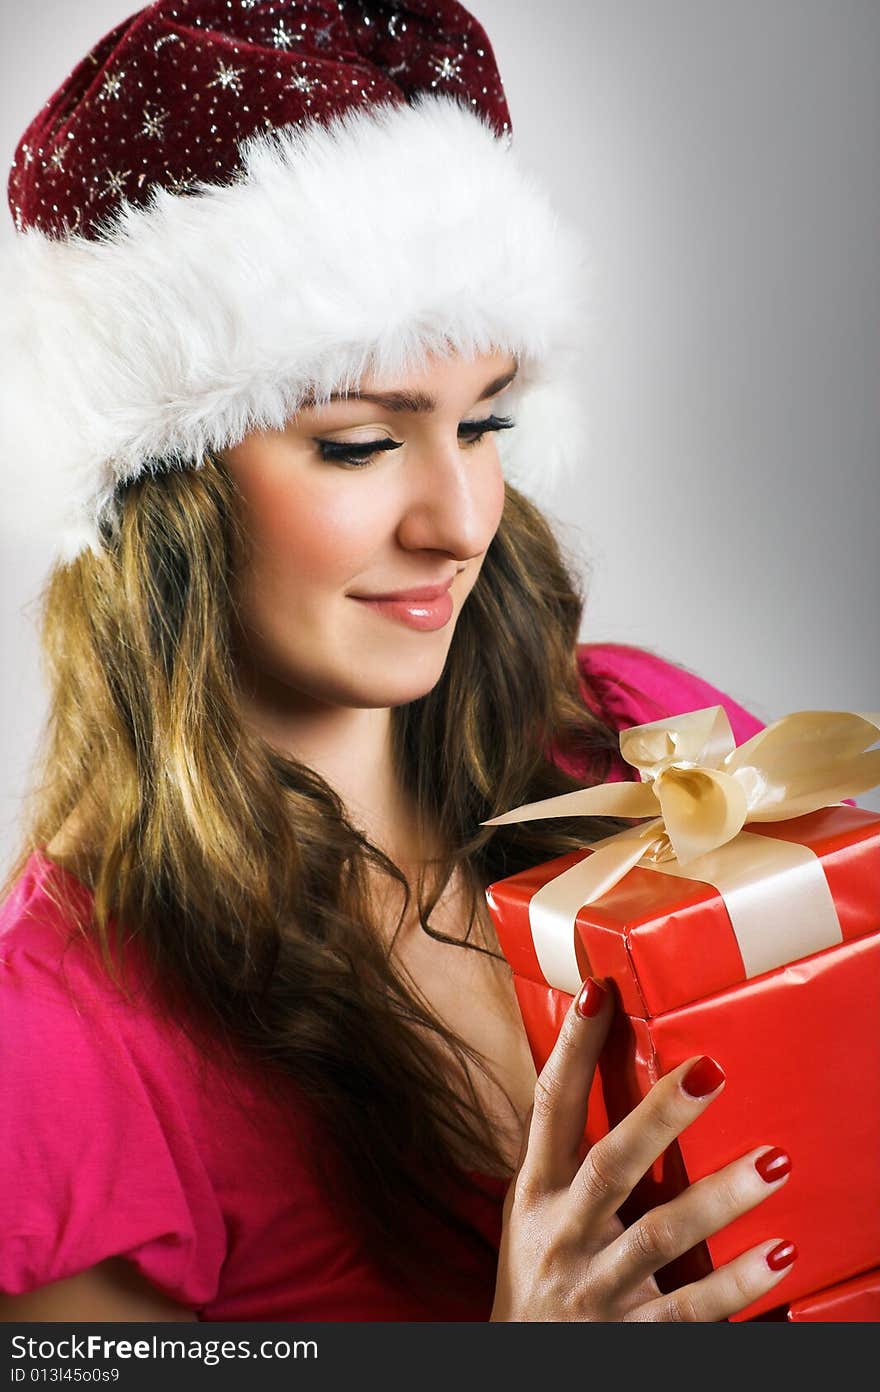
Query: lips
x: 426, y: 615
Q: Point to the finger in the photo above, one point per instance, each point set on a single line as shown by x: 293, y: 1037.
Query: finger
x: 613, y: 1166
x: 701, y: 1210
x: 726, y: 1291
x: 562, y: 1090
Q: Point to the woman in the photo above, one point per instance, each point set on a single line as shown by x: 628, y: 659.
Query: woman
x: 306, y: 633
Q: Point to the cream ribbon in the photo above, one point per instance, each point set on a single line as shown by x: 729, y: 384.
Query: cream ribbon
x: 706, y: 789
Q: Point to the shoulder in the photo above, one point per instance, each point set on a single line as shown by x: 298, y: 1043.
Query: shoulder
x: 634, y: 686
x: 51, y: 973
x: 42, y: 965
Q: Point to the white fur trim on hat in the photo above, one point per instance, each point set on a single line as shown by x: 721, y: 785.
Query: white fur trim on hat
x: 357, y: 246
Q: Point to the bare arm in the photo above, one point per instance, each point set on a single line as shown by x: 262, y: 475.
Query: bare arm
x: 113, y: 1290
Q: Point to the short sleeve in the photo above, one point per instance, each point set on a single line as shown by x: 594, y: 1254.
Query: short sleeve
x: 100, y: 1159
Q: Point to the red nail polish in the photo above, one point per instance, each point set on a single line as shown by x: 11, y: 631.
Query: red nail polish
x: 591, y: 998
x: 703, y: 1077
x: 781, y: 1256
x: 773, y: 1164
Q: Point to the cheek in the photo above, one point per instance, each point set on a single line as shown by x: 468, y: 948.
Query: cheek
x: 492, y: 501
x: 318, y: 533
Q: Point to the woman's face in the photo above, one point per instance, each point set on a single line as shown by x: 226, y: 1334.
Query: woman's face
x: 362, y: 498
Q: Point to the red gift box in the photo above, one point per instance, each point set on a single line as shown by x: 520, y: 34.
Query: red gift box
x: 796, y: 1040
x: 852, y: 1302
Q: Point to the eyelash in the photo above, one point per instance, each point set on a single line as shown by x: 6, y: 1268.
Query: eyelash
x: 356, y: 456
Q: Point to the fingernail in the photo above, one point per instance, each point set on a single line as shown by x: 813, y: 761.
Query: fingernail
x: 773, y: 1164
x: 781, y: 1256
x: 703, y: 1077
x: 591, y: 998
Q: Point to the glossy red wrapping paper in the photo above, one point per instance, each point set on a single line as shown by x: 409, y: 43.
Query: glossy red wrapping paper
x: 852, y: 1302
x: 798, y: 1044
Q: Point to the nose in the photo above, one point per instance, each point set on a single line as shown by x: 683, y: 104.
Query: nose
x: 454, y: 498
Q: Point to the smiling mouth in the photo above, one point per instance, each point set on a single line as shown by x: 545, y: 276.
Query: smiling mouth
x: 424, y: 615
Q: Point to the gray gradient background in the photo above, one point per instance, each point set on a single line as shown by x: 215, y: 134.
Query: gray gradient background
x: 721, y: 160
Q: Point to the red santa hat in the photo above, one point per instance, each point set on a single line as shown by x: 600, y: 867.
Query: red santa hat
x: 232, y: 205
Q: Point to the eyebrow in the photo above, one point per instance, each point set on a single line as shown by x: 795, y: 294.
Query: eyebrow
x: 418, y: 403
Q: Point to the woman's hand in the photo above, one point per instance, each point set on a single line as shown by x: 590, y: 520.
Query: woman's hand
x: 565, y: 1255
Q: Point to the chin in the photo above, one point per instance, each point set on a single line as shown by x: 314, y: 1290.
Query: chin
x: 405, y: 680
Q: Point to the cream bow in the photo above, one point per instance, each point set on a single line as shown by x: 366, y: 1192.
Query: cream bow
x: 705, y: 789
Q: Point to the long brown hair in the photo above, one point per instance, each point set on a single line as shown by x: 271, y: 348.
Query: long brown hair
x: 236, y: 870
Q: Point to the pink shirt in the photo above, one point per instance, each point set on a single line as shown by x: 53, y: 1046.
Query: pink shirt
x: 122, y: 1140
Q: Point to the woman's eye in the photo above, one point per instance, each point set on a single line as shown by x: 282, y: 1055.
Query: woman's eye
x: 472, y: 432
x: 355, y: 456
x: 351, y: 455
